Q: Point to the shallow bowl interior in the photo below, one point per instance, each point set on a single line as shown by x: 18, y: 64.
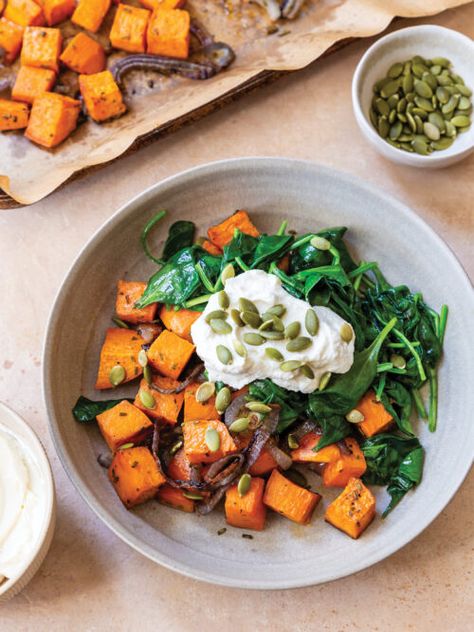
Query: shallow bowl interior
x: 310, y: 197
x: 427, y: 41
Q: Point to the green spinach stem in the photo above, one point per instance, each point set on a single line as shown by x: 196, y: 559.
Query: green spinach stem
x: 419, y: 403
x: 433, y: 411
x: 202, y: 275
x: 283, y: 226
x: 144, y: 236
x: 199, y: 300
x: 443, y: 321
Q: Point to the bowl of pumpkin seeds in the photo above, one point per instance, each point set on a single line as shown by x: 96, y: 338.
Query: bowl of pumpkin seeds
x: 412, y: 96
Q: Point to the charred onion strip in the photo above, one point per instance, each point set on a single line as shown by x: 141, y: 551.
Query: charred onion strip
x: 182, y: 385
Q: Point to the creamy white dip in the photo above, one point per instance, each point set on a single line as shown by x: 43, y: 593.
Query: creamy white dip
x: 328, y: 352
x: 21, y: 504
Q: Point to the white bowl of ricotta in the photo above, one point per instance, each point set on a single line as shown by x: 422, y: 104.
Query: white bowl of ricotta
x: 27, y: 503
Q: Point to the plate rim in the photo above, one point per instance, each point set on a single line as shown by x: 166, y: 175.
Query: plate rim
x: 54, y: 427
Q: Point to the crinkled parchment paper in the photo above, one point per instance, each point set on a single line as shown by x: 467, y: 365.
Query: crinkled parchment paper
x: 30, y: 173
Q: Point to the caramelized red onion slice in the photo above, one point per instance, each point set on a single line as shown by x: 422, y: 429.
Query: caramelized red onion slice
x: 149, y: 331
x: 234, y: 408
x: 284, y: 461
x: 261, y: 436
x: 182, y: 385
x: 225, y: 470
x: 308, y: 425
x: 206, y: 506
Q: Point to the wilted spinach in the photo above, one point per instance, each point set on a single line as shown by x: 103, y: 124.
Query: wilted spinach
x: 86, y: 410
x: 292, y: 404
x: 180, y: 235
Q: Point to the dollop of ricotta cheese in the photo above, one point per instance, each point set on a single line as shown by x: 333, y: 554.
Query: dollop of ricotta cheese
x: 21, y: 506
x: 328, y: 352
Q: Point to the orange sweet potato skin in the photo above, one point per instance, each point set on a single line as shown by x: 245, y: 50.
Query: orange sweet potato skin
x: 169, y: 354
x: 90, y: 14
x: 102, y: 96
x: 41, y: 47
x: 349, y: 465
x: 305, y: 453
x: 129, y: 29
x: 13, y: 115
x: 195, y: 447
x: 196, y: 410
x: 376, y: 418
x: 167, y: 407
x: 11, y: 38
x: 264, y: 464
x: 24, y: 12
x: 169, y: 33
x: 247, y: 512
x: 135, y: 476
x: 175, y: 498
x: 32, y: 82
x: 353, y: 510
x: 121, y: 346
x: 84, y: 55
x: 211, y: 248
x: 222, y: 233
x: 179, y: 322
x: 128, y: 293
x: 290, y: 500
x: 124, y: 423
x: 53, y: 117
x: 56, y: 11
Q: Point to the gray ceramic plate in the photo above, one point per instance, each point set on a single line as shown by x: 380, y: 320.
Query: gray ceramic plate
x: 284, y: 555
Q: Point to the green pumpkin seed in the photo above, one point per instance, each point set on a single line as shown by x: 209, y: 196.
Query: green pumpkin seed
x: 251, y: 318
x: 450, y: 130
x: 126, y: 446
x: 307, y: 371
x: 320, y: 243
x: 205, y: 391
x: 393, y: 101
x: 299, y: 344
x: 247, y: 306
x: 418, y: 69
x: 346, y: 332
x: 395, y: 130
x: 223, y: 399
x: 147, y: 399
x: 117, y: 375
x: 407, y: 84
x: 253, y: 339
x: 277, y: 310
x: 402, y: 105
x: 267, y: 324
x: 411, y: 122
x: 239, y: 348
x: 430, y: 80
x: 420, y: 146
x: 431, y: 131
x: 217, y: 313
x: 380, y: 84
x: 273, y: 354
x: 243, y: 485
x: 441, y: 61
x: 451, y: 105
x: 435, y: 70
x: 407, y: 147
x: 402, y: 117
x: 311, y: 322
x: 419, y: 124
x: 442, y: 95
x: 384, y: 127
x: 389, y: 88
x: 212, y: 439
x: 323, y: 382
x: 223, y: 299
x: 424, y: 104
x: 395, y: 70
x: 393, y: 143
x: 272, y: 335
x: 292, y: 330
x: 354, y: 416
x: 422, y: 89
x: 239, y: 425
x: 461, y: 121
x: 407, y: 68
x: 464, y: 90
x: 120, y: 323
x: 192, y: 495
x: 398, y: 361
x: 464, y: 103
x: 292, y: 442
x: 457, y: 79
x: 442, y: 143
x: 227, y: 273
x: 444, y: 79
x: 219, y: 326
x: 435, y: 118
x: 235, y: 315
x: 223, y: 354
x: 258, y: 407
x: 176, y: 446
x: 147, y: 374
x: 291, y: 365
x: 383, y: 108
x: 405, y: 138
x: 419, y: 112
x: 142, y: 358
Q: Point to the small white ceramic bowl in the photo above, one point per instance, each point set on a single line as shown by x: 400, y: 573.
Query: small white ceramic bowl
x: 427, y: 41
x: 25, y: 434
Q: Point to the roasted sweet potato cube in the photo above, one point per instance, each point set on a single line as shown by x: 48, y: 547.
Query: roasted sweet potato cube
x: 53, y: 117
x: 102, y: 96
x: 195, y: 446
x: 57, y: 11
x: 179, y: 321
x: 222, y: 233
x: 290, y: 500
x: 124, y: 423
x: 121, y: 347
x: 211, y: 248
x: 163, y: 4
x: 129, y: 29
x: 179, y: 467
x: 306, y: 453
x: 2, y: 5
x: 84, y: 55
x: 32, y: 82
x: 24, y: 12
x: 13, y: 115
x: 198, y: 410
x: 41, y: 47
x: 135, y: 476
x: 175, y: 498
x: 353, y: 510
x: 167, y: 406
x: 248, y: 511
x: 90, y: 14
x: 11, y: 38
x: 128, y: 293
x: 351, y: 463
x: 168, y: 33
x: 169, y: 354
x: 376, y: 417
x: 264, y: 464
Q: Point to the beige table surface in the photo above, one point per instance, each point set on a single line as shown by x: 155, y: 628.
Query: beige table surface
x: 91, y: 580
